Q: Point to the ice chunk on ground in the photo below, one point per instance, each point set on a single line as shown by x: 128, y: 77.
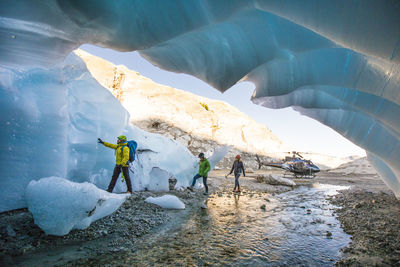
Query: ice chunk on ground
x: 59, y: 205
x: 275, y: 180
x: 159, y: 180
x: 167, y: 202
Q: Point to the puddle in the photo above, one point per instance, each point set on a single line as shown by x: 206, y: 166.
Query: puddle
x: 294, y: 228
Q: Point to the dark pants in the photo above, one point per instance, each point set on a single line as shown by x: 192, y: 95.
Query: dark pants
x: 197, y: 176
x: 237, y: 175
x: 117, y: 171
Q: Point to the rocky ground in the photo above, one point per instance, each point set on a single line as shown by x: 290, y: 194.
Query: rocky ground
x: 373, y: 220
x: 23, y: 243
x: 368, y: 211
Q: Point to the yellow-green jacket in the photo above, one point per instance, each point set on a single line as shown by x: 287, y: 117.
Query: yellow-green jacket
x: 121, y: 155
x: 204, y: 167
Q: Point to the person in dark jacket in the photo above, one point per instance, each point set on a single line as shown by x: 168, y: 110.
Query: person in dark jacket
x: 204, y: 168
x: 237, y: 169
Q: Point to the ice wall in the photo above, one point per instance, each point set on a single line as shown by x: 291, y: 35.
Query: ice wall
x: 336, y: 61
x: 50, y: 121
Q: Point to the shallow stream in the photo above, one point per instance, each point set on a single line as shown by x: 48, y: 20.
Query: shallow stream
x: 295, y: 228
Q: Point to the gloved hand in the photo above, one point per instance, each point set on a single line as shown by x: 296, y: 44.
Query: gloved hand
x: 100, y: 141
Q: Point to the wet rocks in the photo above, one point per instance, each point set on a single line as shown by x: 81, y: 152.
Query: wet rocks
x: 328, y: 234
x: 172, y: 182
x: 373, y: 220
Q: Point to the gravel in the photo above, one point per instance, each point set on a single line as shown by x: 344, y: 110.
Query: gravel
x: 21, y: 239
x: 373, y: 220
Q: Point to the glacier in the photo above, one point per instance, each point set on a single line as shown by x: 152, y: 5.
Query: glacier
x: 337, y: 62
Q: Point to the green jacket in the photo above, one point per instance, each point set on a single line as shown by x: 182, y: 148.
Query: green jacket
x: 121, y: 155
x: 204, y: 167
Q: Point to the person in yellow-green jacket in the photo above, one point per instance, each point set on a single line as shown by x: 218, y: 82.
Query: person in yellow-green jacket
x: 204, y: 168
x: 121, y: 162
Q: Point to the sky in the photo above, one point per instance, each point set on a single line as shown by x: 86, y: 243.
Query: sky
x: 299, y: 132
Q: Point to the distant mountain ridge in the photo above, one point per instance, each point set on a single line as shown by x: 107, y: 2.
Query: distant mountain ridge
x: 197, y: 122
x: 359, y: 166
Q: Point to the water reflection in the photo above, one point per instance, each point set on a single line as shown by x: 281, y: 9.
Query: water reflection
x: 235, y: 230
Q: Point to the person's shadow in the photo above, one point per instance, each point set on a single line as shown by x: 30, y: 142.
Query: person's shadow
x: 236, y: 197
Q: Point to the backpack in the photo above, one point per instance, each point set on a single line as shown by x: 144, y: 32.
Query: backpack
x: 132, y: 150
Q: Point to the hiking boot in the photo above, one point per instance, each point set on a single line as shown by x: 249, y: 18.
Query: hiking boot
x: 205, y: 193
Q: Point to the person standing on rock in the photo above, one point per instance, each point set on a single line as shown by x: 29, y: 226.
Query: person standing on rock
x: 121, y: 162
x: 237, y: 169
x: 204, y: 168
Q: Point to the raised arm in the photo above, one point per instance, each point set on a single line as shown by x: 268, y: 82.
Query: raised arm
x: 113, y: 146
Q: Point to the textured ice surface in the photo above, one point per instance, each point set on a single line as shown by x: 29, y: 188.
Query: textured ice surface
x: 167, y: 202
x: 218, y: 154
x: 50, y: 121
x: 335, y: 61
x: 59, y: 205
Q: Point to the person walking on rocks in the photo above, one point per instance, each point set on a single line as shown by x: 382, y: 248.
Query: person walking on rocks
x: 121, y: 162
x: 204, y: 168
x: 237, y: 169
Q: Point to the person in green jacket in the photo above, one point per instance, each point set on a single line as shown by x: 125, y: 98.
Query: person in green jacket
x: 204, y: 168
x: 121, y: 162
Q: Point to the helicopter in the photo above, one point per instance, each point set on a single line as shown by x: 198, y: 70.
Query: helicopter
x: 297, y: 166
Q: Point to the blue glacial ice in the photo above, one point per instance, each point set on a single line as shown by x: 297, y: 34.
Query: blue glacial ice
x: 59, y: 205
x: 167, y: 202
x: 50, y: 121
x: 335, y: 61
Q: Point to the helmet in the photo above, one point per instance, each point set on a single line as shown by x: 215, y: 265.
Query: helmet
x: 122, y: 137
x: 201, y: 155
x: 238, y: 156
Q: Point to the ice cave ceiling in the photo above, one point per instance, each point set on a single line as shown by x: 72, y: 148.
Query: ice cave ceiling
x: 335, y: 61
